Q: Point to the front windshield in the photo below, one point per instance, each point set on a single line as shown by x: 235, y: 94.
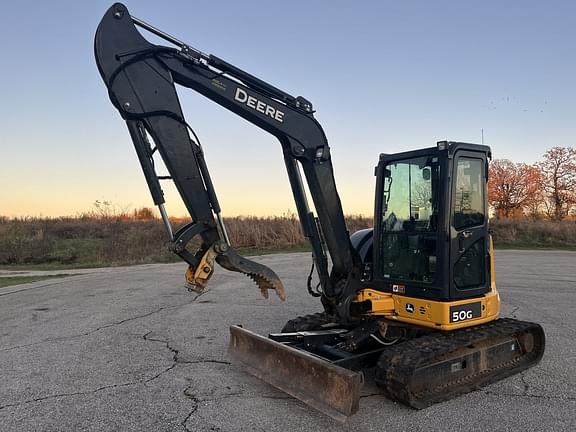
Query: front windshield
x: 410, y: 219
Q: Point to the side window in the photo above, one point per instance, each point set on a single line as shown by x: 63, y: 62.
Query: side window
x: 468, y: 203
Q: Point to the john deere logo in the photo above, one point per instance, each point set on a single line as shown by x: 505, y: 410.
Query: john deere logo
x: 257, y: 105
x: 409, y: 308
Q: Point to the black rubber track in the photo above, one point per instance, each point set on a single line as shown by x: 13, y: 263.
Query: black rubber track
x: 397, y: 365
x: 307, y: 322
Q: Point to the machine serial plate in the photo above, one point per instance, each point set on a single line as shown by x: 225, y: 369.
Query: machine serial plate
x: 465, y: 312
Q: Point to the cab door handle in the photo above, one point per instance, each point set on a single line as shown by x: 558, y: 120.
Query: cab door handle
x: 461, y: 237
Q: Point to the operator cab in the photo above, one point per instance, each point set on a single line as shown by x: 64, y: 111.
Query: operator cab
x: 431, y: 226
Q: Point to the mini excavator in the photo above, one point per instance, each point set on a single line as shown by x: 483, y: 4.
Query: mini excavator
x: 413, y: 301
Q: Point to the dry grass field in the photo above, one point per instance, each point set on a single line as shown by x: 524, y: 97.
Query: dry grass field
x: 529, y: 234
x: 104, y: 241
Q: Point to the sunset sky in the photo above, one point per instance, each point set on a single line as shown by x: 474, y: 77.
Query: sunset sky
x: 384, y: 76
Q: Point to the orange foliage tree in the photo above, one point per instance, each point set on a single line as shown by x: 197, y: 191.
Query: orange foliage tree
x: 559, y: 181
x: 533, y: 206
x: 512, y: 187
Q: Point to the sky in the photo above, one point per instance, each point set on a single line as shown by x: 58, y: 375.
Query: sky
x: 384, y: 76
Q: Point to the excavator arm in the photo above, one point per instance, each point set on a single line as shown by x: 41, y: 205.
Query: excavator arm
x: 141, y: 79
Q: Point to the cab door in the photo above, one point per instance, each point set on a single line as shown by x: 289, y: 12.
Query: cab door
x: 469, y: 260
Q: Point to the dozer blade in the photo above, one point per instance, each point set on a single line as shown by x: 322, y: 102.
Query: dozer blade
x: 331, y: 389
x: 440, y: 366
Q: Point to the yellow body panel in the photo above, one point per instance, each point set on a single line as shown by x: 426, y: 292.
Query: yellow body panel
x: 428, y: 313
x: 436, y: 314
x: 492, y: 265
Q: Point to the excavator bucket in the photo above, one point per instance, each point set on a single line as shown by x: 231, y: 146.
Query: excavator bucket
x: 331, y: 389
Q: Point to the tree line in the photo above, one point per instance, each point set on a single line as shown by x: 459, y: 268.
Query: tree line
x: 544, y: 190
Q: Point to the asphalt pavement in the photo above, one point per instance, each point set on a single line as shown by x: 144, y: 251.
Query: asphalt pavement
x: 129, y: 349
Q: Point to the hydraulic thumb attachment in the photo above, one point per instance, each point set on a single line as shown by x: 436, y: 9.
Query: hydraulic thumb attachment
x: 197, y: 276
x: 142, y: 88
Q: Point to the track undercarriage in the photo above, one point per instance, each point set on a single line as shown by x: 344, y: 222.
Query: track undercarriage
x: 322, y: 363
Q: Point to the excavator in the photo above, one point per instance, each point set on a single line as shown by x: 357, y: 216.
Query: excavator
x: 411, y: 303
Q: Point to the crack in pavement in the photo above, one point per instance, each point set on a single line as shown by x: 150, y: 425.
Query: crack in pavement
x: 59, y: 395
x: 177, y: 360
x: 533, y: 396
x: 117, y: 323
x: 526, y: 385
x: 61, y: 338
x: 58, y: 282
x: 370, y: 395
x: 525, y: 392
x: 197, y: 399
x: 545, y: 317
x: 187, y: 393
x: 176, y: 357
x: 513, y: 312
x: 275, y: 397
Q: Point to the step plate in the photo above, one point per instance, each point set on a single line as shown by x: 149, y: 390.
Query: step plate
x: 331, y: 389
